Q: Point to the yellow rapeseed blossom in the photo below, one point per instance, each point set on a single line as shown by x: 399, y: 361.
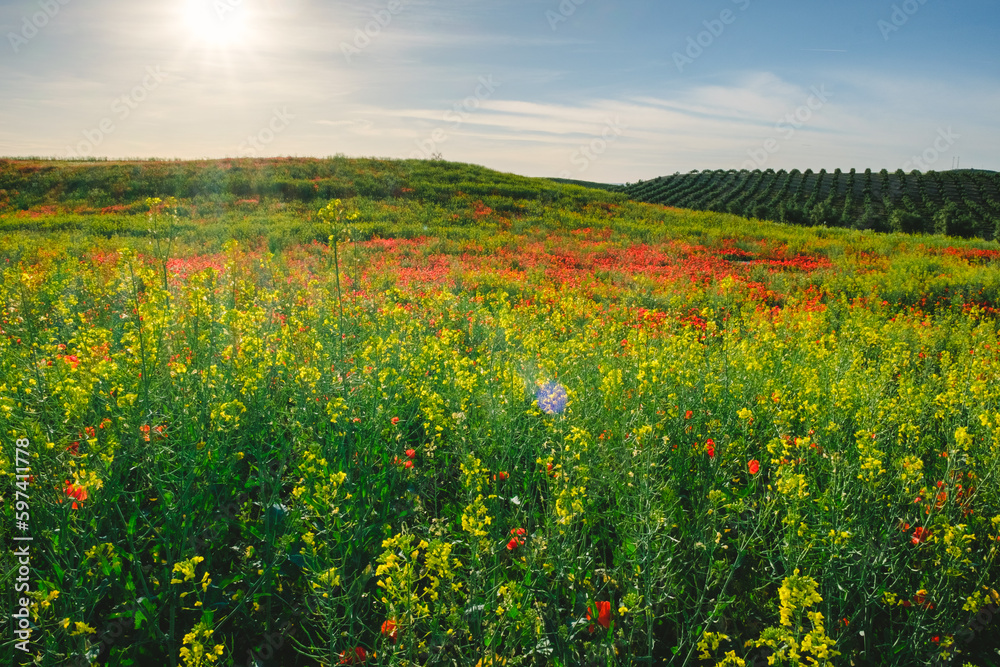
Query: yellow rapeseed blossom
x: 81, y: 628
x: 186, y: 568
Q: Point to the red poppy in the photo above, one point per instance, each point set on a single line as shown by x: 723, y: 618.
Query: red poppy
x: 754, y: 466
x: 408, y: 464
x: 74, y: 449
x: 389, y: 629
x: 353, y: 657
x: 603, y: 614
x: 517, y: 540
x: 394, y: 420
x: 920, y: 535
x: 411, y: 453
x: 76, y: 492
x: 501, y: 475
x: 687, y: 415
x: 935, y: 639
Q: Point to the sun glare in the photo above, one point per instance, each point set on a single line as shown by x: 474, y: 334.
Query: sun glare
x: 217, y: 23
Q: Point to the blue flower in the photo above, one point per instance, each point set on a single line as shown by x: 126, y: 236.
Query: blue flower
x: 552, y: 398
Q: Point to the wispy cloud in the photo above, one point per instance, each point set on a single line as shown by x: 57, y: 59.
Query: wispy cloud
x: 559, y: 89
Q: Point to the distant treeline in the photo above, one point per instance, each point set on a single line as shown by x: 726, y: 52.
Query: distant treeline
x: 958, y: 203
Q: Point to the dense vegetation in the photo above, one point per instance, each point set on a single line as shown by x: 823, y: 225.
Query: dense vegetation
x: 465, y: 418
x: 957, y: 203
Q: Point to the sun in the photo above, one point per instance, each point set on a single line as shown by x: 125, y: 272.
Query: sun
x: 216, y: 23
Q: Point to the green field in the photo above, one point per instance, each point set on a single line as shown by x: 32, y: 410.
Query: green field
x: 301, y: 412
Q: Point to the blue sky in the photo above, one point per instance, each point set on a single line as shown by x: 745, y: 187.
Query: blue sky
x: 588, y: 89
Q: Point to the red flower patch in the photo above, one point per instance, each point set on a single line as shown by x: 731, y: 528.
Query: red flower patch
x: 603, y: 615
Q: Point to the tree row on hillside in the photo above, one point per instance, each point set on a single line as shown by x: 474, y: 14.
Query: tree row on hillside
x: 958, y: 203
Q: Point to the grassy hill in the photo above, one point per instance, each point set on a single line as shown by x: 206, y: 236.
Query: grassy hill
x: 92, y: 185
x: 958, y: 203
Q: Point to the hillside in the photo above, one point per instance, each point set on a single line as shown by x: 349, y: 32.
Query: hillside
x: 958, y: 203
x: 91, y: 185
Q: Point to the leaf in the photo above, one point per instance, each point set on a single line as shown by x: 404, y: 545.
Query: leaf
x: 232, y: 580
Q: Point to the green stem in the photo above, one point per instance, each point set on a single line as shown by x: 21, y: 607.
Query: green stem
x: 340, y: 303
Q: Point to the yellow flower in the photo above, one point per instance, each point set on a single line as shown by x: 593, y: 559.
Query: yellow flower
x: 186, y: 567
x: 81, y: 628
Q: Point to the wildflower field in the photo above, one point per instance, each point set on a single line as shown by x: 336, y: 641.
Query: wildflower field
x: 456, y: 417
